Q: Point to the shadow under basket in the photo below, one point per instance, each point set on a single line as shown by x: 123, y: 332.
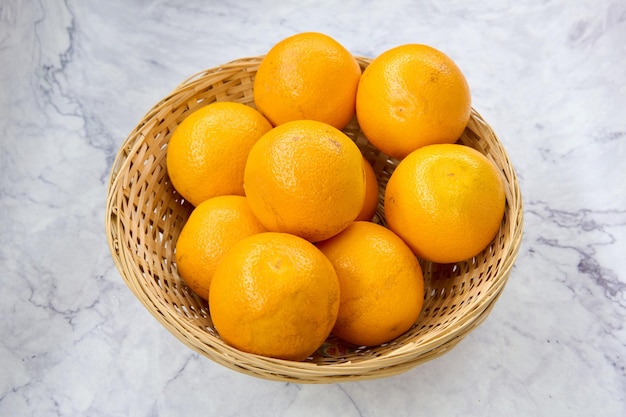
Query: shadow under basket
x: 145, y: 215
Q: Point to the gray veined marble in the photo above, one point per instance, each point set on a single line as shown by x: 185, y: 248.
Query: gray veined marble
x: 75, y: 77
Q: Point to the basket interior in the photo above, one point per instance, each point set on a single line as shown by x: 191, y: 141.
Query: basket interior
x: 146, y: 215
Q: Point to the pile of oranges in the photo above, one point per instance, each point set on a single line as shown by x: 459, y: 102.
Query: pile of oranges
x: 281, y: 241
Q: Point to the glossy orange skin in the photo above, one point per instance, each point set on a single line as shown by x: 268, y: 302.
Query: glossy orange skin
x: 411, y: 96
x: 212, y: 228
x: 382, y: 285
x: 370, y: 204
x: 276, y: 295
x: 446, y: 201
x: 207, y: 152
x: 307, y: 76
x: 306, y: 178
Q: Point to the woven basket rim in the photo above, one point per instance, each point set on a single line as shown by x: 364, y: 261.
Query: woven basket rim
x: 389, y: 363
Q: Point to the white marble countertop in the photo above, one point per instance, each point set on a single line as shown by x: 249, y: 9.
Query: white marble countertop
x: 75, y: 78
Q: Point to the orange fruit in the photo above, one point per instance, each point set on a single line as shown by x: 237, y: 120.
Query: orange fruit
x: 211, y: 229
x: 207, y: 152
x: 381, y: 283
x: 306, y: 178
x: 276, y: 295
x: 446, y: 201
x: 371, y: 193
x: 411, y: 96
x: 307, y: 76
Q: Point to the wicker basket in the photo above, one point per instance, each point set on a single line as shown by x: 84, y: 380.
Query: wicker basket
x: 144, y: 216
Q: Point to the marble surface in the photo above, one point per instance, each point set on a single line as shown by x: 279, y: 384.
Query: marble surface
x: 76, y: 76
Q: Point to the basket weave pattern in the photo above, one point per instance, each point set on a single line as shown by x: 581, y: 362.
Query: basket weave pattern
x: 145, y: 215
